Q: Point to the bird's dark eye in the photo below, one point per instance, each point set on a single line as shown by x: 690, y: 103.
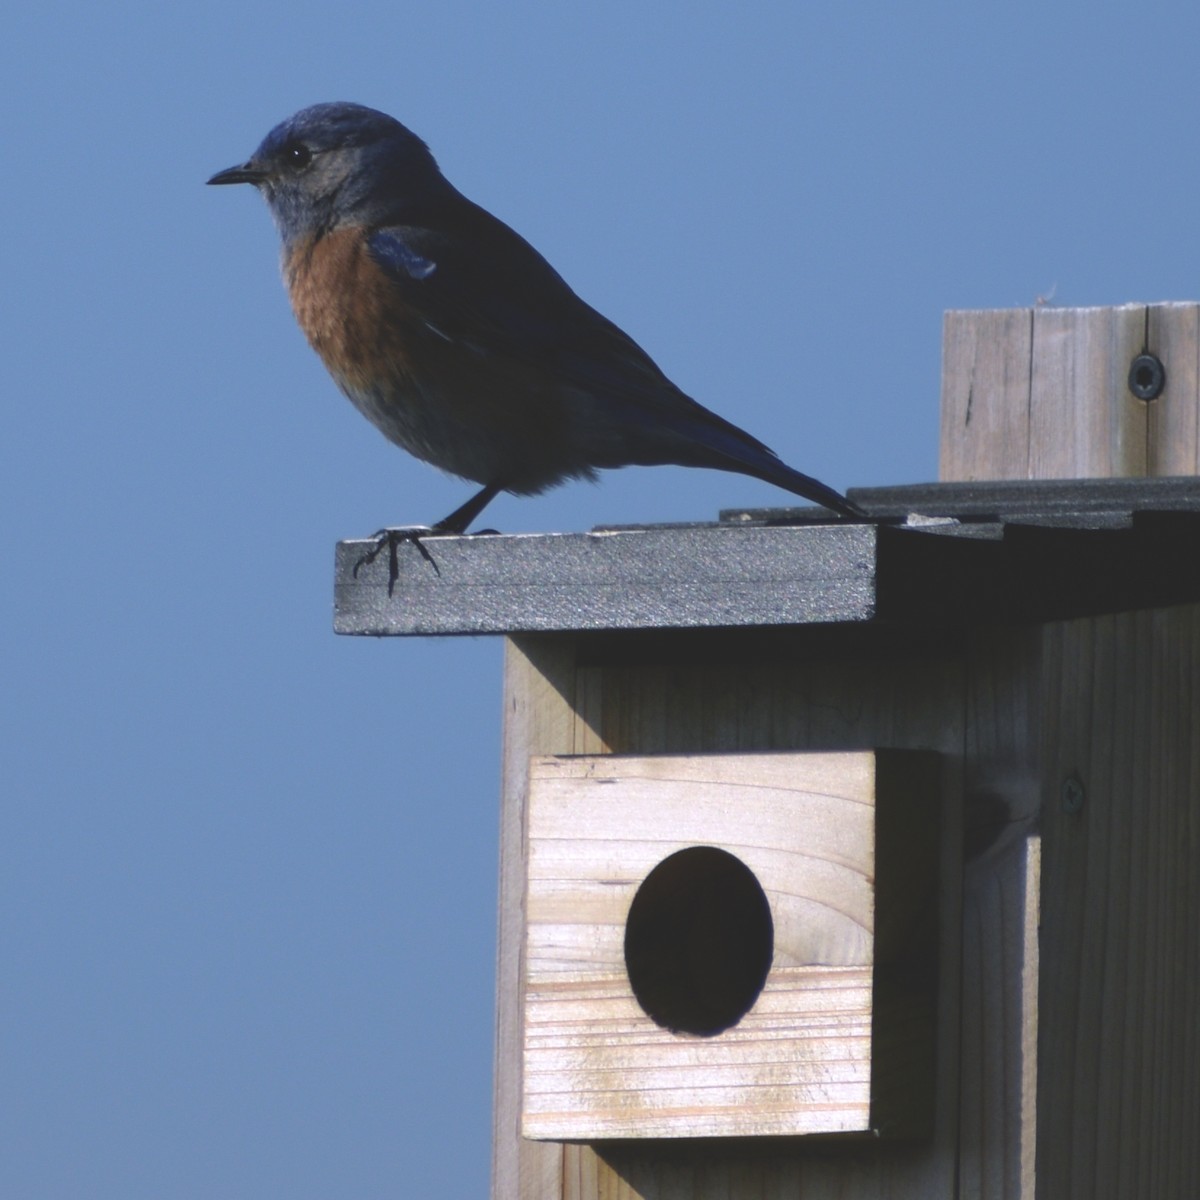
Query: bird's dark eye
x: 297, y: 155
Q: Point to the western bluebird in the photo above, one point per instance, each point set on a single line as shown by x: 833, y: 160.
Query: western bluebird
x: 455, y: 337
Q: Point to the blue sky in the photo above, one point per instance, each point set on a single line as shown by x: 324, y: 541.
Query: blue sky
x: 249, y: 868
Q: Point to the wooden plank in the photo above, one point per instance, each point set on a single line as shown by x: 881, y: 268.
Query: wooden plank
x: 1119, y: 1056
x: 538, y: 718
x: 1075, y: 416
x: 655, y: 578
x: 1000, y: 1023
x: 1084, y: 421
x: 1029, y: 888
x: 986, y: 357
x: 1044, y: 393
x: 833, y: 701
x: 768, y: 1079
x: 1000, y: 907
x: 814, y: 1052
x: 1174, y: 429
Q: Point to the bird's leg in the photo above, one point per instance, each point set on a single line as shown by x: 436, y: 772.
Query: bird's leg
x: 455, y: 523
x: 460, y: 518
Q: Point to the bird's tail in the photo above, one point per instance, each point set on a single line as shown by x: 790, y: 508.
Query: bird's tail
x: 774, y: 470
x: 714, y: 442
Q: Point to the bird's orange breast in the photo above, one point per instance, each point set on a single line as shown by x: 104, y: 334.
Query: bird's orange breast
x: 348, y: 309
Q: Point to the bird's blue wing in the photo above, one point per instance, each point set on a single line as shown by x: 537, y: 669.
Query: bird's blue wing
x: 490, y: 291
x: 393, y: 252
x: 485, y: 288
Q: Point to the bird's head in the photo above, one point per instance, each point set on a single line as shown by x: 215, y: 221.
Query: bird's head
x: 339, y: 164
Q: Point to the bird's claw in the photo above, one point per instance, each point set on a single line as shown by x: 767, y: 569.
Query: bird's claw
x: 393, y: 539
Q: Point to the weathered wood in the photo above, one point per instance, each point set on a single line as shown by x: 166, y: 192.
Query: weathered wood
x: 793, y: 704
x: 1174, y: 438
x: 655, y: 578
x: 986, y: 367
x: 1068, y: 1047
x: 1119, y: 1052
x: 1083, y: 419
x: 999, y: 1029
x: 1043, y: 393
x: 843, y: 699
x: 539, y: 717
x: 844, y: 848
x: 1002, y: 801
x: 1067, y: 1087
x: 1010, y: 550
x: 987, y: 433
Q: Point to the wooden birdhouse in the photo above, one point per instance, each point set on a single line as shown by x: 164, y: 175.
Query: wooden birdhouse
x: 861, y: 858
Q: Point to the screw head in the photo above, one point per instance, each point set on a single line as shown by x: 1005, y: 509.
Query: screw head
x: 1147, y: 377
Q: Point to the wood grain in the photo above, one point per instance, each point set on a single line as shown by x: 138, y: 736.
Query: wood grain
x: 1079, y: 942
x: 986, y: 367
x: 1174, y: 435
x: 1118, y: 1051
x: 1003, y: 797
x: 1043, y: 393
x: 1069, y: 965
x: 738, y: 702
x: 1083, y: 419
x: 802, y: 1059
x: 539, y: 717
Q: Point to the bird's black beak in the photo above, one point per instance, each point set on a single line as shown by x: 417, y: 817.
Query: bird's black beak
x: 246, y: 173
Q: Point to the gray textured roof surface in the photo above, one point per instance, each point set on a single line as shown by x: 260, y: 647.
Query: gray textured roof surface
x: 932, y: 553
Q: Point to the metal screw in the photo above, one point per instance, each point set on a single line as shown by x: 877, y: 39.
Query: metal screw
x: 1147, y: 377
x: 1072, y: 795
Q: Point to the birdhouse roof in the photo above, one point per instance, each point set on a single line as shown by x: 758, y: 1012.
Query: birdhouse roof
x: 948, y: 554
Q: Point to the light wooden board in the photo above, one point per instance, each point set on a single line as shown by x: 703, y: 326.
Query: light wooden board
x: 1174, y: 434
x: 1043, y: 393
x: 538, y: 689
x: 596, y: 1066
x: 747, y: 705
